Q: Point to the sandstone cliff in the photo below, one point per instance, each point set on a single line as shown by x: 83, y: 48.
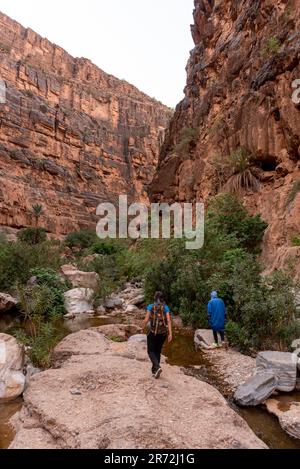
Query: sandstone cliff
x: 70, y: 135
x: 238, y: 100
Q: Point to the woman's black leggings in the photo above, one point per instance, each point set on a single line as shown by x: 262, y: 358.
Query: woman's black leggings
x: 222, y: 334
x: 155, y: 344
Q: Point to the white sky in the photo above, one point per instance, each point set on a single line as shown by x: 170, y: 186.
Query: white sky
x: 145, y: 42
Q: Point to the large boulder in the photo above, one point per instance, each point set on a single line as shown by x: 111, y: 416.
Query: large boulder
x: 78, y: 300
x: 118, y: 331
x: 12, y: 379
x: 282, y: 364
x: 256, y: 389
x: 113, y: 301
x: 203, y: 339
x: 101, y: 395
x: 288, y: 415
x: 80, y: 279
x: 140, y: 338
x: 7, y: 302
x: 137, y: 299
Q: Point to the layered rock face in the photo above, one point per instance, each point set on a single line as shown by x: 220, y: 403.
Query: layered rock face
x: 238, y: 98
x: 71, y: 136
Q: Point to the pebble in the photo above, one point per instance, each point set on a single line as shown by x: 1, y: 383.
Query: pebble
x: 75, y: 392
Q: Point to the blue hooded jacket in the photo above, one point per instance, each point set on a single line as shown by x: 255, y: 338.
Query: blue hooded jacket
x: 216, y: 312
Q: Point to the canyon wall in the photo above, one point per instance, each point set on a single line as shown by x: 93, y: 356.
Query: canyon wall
x: 71, y: 136
x: 238, y: 101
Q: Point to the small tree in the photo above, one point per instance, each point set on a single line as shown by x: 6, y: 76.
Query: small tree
x: 37, y: 211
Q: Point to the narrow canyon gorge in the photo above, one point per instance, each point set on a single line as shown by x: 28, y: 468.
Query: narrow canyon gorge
x: 238, y: 98
x: 71, y: 135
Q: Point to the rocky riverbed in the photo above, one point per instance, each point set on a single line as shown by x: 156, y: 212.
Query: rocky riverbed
x: 100, y: 394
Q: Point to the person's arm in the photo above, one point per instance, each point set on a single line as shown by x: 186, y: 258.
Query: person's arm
x: 209, y: 311
x: 146, y: 320
x: 170, y: 336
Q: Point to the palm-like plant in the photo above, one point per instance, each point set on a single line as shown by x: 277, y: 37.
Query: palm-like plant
x: 37, y: 211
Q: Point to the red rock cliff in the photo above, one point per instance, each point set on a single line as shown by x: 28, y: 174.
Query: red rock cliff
x: 70, y: 135
x: 238, y: 98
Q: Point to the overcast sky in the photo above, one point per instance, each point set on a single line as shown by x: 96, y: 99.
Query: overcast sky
x: 145, y: 42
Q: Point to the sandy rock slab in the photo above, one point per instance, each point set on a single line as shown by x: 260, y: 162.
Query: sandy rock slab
x: 80, y: 279
x: 289, y: 418
x: 12, y: 379
x: 101, y: 395
x: 281, y: 364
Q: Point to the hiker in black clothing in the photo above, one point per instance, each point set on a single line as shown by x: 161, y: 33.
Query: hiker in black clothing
x: 158, y: 319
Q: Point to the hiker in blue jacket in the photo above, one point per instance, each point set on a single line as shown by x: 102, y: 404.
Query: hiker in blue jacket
x: 217, y: 315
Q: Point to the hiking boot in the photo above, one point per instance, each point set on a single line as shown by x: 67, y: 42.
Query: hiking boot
x: 158, y: 373
x: 215, y: 345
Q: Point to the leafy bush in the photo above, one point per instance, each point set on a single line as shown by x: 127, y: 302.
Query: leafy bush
x: 32, y: 235
x: 235, y: 170
x: 264, y: 314
x: 272, y: 47
x: 228, y: 216
x: 188, y: 139
x: 295, y: 240
x: 17, y: 261
x: 81, y: 239
x: 50, y: 279
x: 41, y: 306
x: 40, y: 346
x: 106, y: 247
x: 140, y: 256
x: 5, y: 48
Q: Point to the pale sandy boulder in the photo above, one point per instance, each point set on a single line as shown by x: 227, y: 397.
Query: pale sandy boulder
x: 80, y: 279
x: 203, y: 339
x: 288, y: 415
x: 7, y: 302
x: 78, y: 301
x: 256, y: 389
x: 114, y: 301
x: 12, y: 379
x: 282, y: 364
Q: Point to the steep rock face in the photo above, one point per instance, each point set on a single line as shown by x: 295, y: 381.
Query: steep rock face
x: 71, y: 136
x: 239, y: 97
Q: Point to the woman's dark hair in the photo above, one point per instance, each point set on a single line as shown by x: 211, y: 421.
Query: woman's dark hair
x: 159, y: 297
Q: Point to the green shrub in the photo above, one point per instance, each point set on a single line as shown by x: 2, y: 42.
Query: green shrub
x: 40, y: 347
x: 140, y: 256
x: 235, y: 170
x: 264, y: 312
x: 295, y: 240
x: 81, y: 239
x: 17, y: 261
x: 272, y: 47
x: 32, y: 235
x: 50, y: 279
x: 5, y: 48
x: 188, y: 140
x: 106, y: 247
x: 227, y: 215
